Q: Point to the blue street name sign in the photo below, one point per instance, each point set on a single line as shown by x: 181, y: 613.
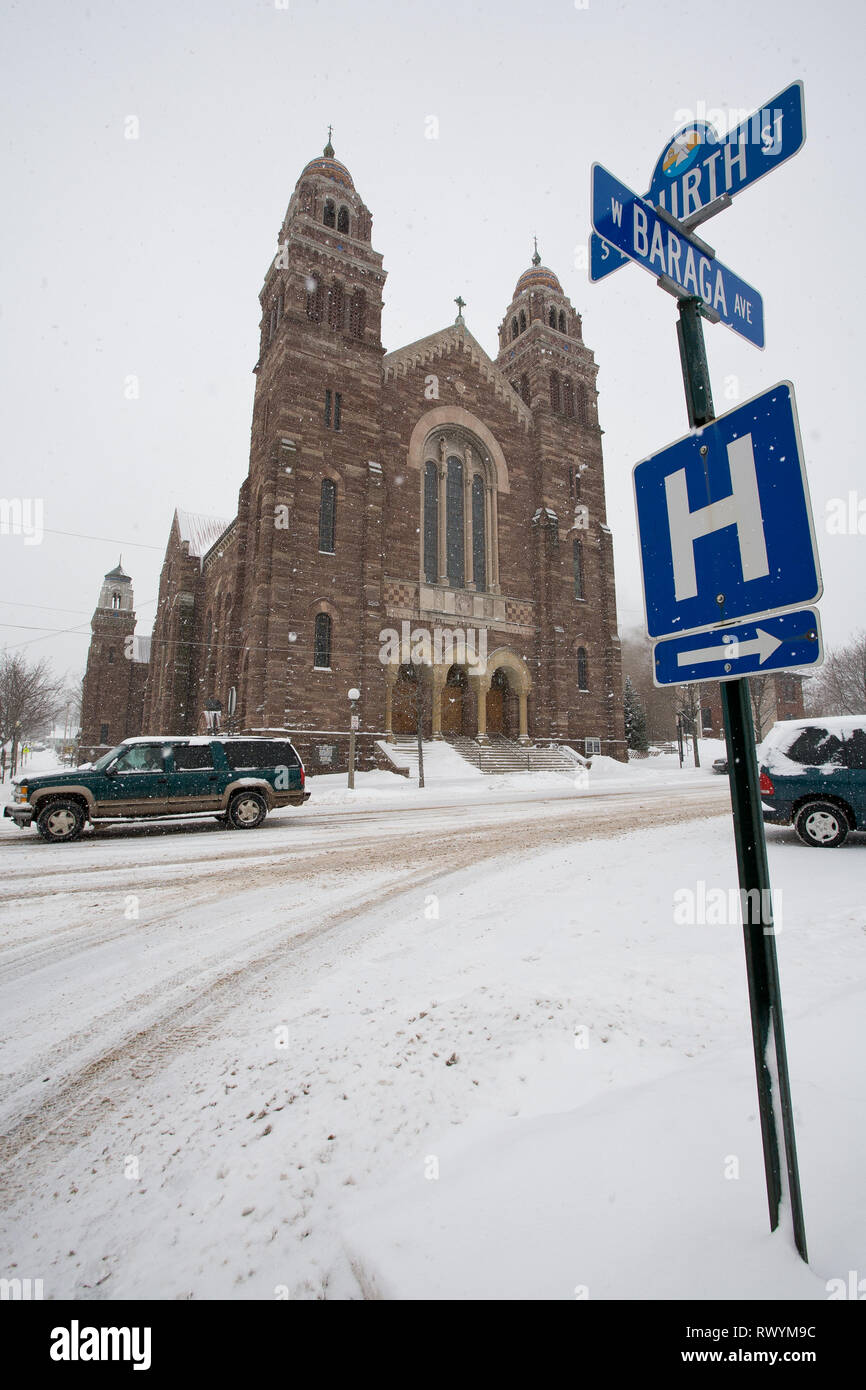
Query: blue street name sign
x: 698, y: 166
x: 775, y: 643
x: 725, y: 522
x: 629, y: 222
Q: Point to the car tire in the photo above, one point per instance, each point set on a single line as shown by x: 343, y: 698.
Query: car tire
x: 60, y: 821
x: 247, y: 810
x: 822, y: 825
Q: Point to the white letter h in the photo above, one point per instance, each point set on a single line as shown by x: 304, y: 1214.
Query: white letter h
x: 741, y: 509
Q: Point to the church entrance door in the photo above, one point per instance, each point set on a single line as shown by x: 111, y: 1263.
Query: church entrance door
x: 403, y: 707
x: 453, y: 694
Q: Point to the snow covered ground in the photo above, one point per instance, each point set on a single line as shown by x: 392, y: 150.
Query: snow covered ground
x: 485, y: 1040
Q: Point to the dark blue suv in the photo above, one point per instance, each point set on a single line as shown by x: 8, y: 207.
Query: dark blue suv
x: 813, y: 776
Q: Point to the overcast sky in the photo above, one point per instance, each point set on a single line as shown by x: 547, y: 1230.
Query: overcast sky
x: 144, y: 257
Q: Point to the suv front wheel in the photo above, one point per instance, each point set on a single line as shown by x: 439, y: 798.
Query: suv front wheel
x: 247, y: 810
x: 60, y: 820
x: 821, y: 824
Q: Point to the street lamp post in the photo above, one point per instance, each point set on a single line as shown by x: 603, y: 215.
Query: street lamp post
x: 354, y: 722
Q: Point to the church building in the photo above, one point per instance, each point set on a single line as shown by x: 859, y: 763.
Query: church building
x: 429, y: 515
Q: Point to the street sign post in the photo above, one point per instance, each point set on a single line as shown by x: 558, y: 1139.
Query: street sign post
x: 774, y: 643
x: 684, y: 264
x: 711, y: 514
x: 725, y: 522
x: 699, y: 172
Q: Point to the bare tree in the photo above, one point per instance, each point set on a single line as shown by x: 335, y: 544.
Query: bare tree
x: 689, y: 713
x: 762, y: 693
x: 659, y: 704
x: 839, y: 687
x: 30, y: 696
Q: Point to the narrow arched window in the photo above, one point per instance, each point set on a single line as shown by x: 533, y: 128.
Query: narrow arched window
x: 315, y: 299
x: 514, y: 329
x: 115, y: 600
x: 335, y: 307
x: 329, y: 217
x: 522, y: 321
x: 552, y: 317
x: 343, y: 220
x: 322, y: 648
x: 582, y: 405
x: 479, y: 539
x: 358, y: 314
x: 524, y: 389
x: 327, y: 516
x: 568, y: 398
x: 577, y: 563
x: 563, y: 325
x: 455, y: 564
x: 555, y: 400
x: 582, y: 669
x: 431, y: 523
x: 110, y: 655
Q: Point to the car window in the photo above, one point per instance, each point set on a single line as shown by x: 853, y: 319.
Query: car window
x: 244, y: 754
x: 814, y: 747
x: 141, y: 757
x: 189, y: 756
x: 855, y: 750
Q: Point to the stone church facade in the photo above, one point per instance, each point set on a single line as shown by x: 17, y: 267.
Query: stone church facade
x: 403, y: 513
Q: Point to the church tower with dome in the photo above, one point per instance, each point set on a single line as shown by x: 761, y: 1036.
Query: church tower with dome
x: 430, y: 490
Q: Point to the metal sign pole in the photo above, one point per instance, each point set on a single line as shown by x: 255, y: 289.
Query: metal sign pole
x: 762, y: 970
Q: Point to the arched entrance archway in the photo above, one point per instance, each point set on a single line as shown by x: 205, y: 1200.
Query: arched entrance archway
x: 503, y: 696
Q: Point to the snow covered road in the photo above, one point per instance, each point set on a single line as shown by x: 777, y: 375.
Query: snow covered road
x: 216, y: 1041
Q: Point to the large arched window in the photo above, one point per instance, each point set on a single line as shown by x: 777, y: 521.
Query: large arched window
x: 568, y: 398
x: 577, y: 564
x: 515, y: 328
x: 582, y: 669
x: 454, y: 552
x: 458, y: 512
x: 522, y: 321
x: 343, y: 220
x: 479, y: 539
x: 329, y: 216
x: 582, y: 404
x: 524, y: 388
x: 562, y: 321
x: 115, y: 599
x: 555, y: 398
x: 327, y: 516
x: 431, y: 523
x: 322, y: 646
x: 552, y: 317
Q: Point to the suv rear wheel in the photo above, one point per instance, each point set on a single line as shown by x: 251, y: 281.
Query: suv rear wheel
x: 247, y: 810
x: 60, y: 820
x: 821, y: 824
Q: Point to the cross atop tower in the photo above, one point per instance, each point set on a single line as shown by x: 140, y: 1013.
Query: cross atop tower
x: 461, y: 305
x: 536, y: 259
x: 328, y: 151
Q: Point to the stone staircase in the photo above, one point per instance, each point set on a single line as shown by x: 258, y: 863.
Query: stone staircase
x: 500, y: 755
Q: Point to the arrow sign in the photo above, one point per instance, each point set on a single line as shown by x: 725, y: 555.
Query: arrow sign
x: 684, y: 264
x: 763, y: 647
x: 700, y: 171
x: 777, y: 642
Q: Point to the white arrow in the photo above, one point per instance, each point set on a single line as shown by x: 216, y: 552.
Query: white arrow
x: 762, y: 646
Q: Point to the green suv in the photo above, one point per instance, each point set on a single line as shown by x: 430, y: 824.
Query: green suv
x: 238, y: 779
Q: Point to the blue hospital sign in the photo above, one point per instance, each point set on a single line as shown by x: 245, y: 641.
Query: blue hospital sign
x: 725, y: 522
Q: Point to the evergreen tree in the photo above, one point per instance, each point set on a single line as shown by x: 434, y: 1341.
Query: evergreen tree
x: 635, y: 719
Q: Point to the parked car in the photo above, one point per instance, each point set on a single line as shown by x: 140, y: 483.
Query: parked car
x: 237, y: 779
x: 813, y: 776
x: 720, y: 764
